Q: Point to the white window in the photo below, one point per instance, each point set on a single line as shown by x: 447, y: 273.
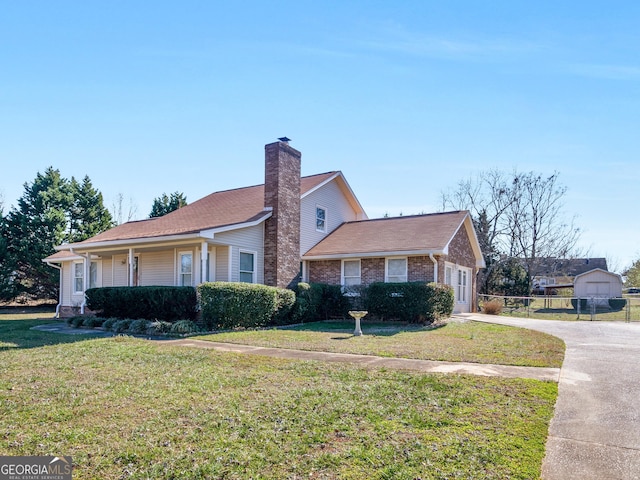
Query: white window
x: 78, y: 278
x: 396, y: 270
x: 448, y: 275
x: 321, y: 219
x: 185, y: 278
x: 462, y: 286
x: 247, y: 267
x: 350, y: 272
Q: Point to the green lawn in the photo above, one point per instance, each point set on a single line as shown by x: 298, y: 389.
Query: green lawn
x: 129, y: 408
x: 456, y: 342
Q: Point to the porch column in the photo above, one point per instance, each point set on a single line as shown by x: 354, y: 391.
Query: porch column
x: 204, y: 256
x: 131, y: 260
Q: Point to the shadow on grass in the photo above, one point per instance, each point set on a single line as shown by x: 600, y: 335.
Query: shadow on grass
x: 18, y: 334
x: 376, y: 328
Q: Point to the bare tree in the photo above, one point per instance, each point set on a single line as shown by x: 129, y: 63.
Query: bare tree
x: 118, y: 209
x: 537, y: 226
x: 517, y: 215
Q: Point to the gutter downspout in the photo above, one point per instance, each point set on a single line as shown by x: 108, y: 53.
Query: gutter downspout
x: 59, y: 283
x: 435, y: 268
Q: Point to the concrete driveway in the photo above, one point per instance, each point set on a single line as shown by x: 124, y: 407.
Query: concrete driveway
x: 595, y: 432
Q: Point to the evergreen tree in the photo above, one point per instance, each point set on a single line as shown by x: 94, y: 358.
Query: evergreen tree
x: 31, y: 231
x: 51, y: 211
x: 167, y: 204
x: 87, y: 213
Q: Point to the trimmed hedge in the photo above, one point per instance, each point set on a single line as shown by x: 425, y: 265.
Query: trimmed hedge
x: 249, y: 305
x: 150, y: 303
x: 415, y: 302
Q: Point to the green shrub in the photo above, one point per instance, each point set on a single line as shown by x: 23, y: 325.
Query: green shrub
x: 121, y: 326
x: 92, y: 322
x: 327, y: 301
x: 159, y: 327
x: 76, y: 322
x: 108, y: 323
x: 583, y: 304
x: 233, y: 304
x: 410, y: 302
x: 300, y: 307
x: 285, y: 300
x: 139, y: 326
x: 617, y: 304
x: 150, y: 303
x: 72, y: 320
x: 184, y: 326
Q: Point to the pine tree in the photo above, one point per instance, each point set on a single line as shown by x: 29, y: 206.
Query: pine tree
x: 51, y: 211
x: 167, y: 204
x: 32, y: 229
x: 87, y: 213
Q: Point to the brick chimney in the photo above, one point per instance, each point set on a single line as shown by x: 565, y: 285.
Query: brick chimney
x: 282, y: 230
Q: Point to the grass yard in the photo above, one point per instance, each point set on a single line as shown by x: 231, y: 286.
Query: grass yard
x: 129, y: 408
x: 455, y: 342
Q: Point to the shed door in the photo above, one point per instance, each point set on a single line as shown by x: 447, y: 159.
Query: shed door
x: 598, y: 289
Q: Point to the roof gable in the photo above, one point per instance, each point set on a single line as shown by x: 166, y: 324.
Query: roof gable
x: 417, y: 234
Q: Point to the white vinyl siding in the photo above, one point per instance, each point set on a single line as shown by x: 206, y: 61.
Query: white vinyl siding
x: 250, y: 239
x: 331, y: 198
x: 395, y: 270
x: 107, y: 272
x: 120, y: 271
x: 351, y: 274
x: 222, y: 264
x: 157, y: 268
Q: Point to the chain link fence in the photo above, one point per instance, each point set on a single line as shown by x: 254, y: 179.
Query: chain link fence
x: 555, y: 307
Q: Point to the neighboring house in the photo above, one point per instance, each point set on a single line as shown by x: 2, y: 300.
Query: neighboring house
x: 289, y: 229
x: 561, y: 272
x: 598, y: 284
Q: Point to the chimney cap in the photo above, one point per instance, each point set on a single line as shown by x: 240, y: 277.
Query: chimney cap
x: 284, y: 139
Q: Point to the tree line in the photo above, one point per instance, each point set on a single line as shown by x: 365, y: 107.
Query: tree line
x: 54, y: 210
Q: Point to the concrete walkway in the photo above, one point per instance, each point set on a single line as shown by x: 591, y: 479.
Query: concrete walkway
x: 595, y: 432
x: 551, y: 374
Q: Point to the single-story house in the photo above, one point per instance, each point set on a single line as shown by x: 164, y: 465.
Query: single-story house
x: 287, y: 230
x: 597, y: 284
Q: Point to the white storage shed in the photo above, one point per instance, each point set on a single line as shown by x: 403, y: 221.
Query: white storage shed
x: 597, y: 283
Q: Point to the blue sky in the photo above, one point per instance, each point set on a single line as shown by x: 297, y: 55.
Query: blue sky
x: 406, y: 98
